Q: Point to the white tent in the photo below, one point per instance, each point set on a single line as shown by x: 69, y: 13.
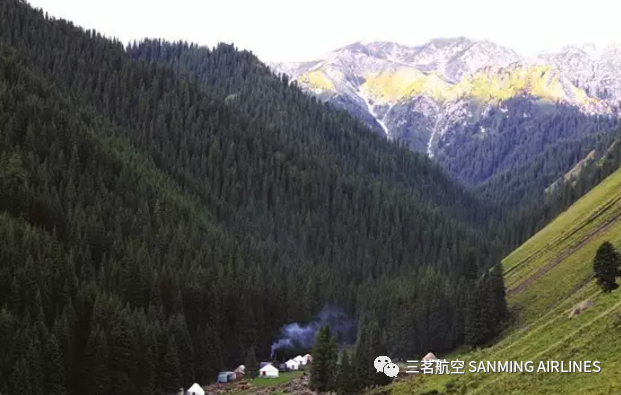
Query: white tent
x: 430, y: 357
x: 300, y: 359
x: 292, y: 364
x: 268, y: 371
x: 196, y: 389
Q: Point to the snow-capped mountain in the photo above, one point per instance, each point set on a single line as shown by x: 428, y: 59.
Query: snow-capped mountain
x: 430, y: 94
x: 595, y: 69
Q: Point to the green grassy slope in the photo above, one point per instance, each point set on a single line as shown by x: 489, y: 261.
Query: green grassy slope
x: 546, y: 277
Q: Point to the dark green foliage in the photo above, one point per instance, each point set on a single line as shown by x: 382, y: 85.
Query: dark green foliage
x: 53, y: 369
x: 169, y: 371
x: 606, y: 267
x: 96, y: 378
x: 185, y: 349
x: 525, y: 185
x: 20, y: 380
x: 251, y: 363
x: 346, y: 381
x: 496, y: 293
x: 369, y: 346
x: 142, y: 372
x: 486, y: 308
x: 163, y: 208
x: 512, y: 142
x: 121, y: 350
x: 12, y: 182
x: 324, y: 366
x: 535, y: 193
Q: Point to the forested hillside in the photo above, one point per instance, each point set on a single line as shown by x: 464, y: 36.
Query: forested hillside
x: 533, y: 195
x: 527, y: 184
x: 516, y: 141
x: 159, y: 219
x: 249, y: 89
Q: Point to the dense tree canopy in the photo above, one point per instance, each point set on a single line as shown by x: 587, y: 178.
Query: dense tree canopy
x: 514, y: 141
x: 538, y: 205
x: 157, y: 219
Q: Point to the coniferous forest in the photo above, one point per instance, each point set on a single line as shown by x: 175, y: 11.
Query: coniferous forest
x: 166, y: 208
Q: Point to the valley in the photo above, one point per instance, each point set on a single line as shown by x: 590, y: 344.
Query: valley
x: 182, y: 216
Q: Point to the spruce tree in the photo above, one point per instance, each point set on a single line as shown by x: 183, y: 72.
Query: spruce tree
x: 478, y: 313
x: 496, y: 296
x: 214, y: 351
x: 143, y: 365
x: 53, y: 369
x: 345, y: 384
x: 183, y: 340
x: 369, y: 346
x: 362, y: 363
x: 121, y: 345
x: 19, y: 381
x: 33, y: 356
x: 96, y: 366
x: 323, y: 368
x: 169, y: 372
x: 333, y: 354
x: 606, y: 267
x: 252, y: 366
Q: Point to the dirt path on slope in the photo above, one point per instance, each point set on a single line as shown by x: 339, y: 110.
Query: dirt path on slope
x: 567, y: 252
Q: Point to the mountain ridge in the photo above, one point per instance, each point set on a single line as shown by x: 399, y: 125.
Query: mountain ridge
x: 433, y: 95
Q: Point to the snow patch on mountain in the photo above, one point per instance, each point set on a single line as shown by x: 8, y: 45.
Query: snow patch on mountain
x: 373, y: 113
x: 434, y: 132
x: 359, y: 93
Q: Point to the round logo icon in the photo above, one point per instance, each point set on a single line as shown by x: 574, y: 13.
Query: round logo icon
x: 380, y: 362
x: 391, y: 370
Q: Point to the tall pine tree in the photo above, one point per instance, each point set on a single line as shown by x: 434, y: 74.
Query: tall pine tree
x: 345, y: 384
x: 53, y: 369
x: 252, y: 366
x: 325, y: 354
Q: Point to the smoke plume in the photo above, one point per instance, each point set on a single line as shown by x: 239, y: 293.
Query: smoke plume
x: 303, y: 336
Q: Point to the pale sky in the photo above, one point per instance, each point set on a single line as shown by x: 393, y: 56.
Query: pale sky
x: 292, y: 30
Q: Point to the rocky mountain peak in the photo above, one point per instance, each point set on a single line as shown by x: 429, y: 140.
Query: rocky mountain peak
x: 426, y: 94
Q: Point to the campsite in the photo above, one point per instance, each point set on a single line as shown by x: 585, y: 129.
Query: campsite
x: 269, y: 377
x: 278, y: 381
x: 260, y: 385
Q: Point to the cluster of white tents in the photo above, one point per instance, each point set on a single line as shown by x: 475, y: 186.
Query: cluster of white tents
x: 299, y: 361
x: 267, y: 370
